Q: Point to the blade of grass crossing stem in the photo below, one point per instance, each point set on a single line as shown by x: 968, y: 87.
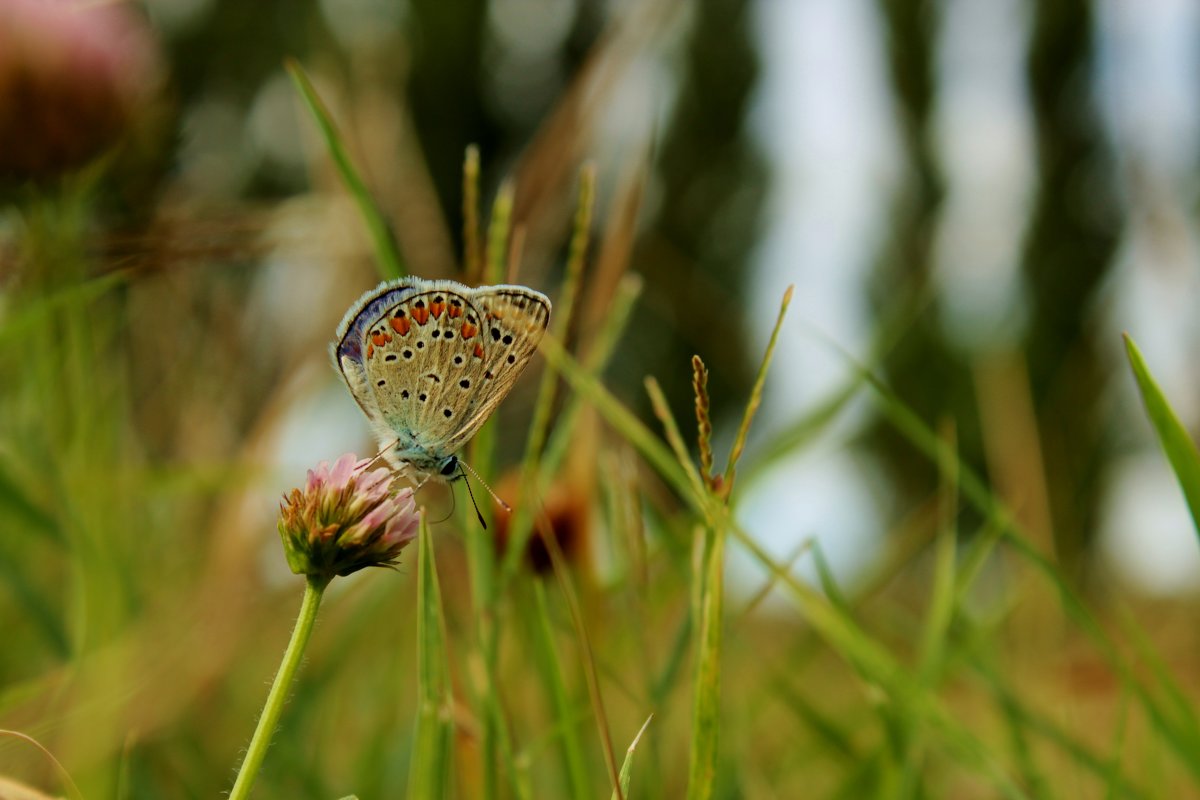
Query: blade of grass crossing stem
x: 391, y: 265
x: 627, y: 764
x: 574, y: 764
x: 499, y: 230
x: 472, y: 253
x: 706, y: 699
x: 1176, y: 443
x: 430, y: 768
x: 755, y: 396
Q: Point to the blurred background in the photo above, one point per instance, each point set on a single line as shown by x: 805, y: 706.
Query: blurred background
x: 973, y: 198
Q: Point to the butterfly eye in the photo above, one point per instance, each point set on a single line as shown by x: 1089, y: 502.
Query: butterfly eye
x: 449, y: 466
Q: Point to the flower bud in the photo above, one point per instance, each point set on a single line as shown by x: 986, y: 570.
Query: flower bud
x: 346, y: 518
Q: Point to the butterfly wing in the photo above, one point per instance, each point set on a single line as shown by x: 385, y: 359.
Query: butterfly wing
x: 514, y: 320
x: 350, y: 347
x: 428, y: 361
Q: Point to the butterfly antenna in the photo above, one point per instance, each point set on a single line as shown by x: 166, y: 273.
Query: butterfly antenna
x: 483, y: 483
x: 471, y: 494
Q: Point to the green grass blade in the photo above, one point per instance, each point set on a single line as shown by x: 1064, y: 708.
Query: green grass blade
x: 387, y: 252
x: 706, y: 698
x: 755, y: 395
x: 1176, y: 443
x: 561, y: 323
x: 674, y: 438
x: 597, y: 359
x: 430, y: 768
x: 999, y: 519
x: 627, y: 764
x: 499, y: 232
x: 942, y: 600
x: 588, y: 659
x: 619, y: 417
x: 845, y: 637
x: 472, y: 252
x: 574, y: 763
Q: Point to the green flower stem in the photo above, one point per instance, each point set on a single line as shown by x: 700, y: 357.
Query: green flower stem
x: 313, y: 590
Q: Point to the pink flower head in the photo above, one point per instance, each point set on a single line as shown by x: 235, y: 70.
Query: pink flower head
x: 346, y: 518
x: 72, y: 76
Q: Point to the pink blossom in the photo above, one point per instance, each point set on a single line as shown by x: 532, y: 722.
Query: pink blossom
x: 346, y: 518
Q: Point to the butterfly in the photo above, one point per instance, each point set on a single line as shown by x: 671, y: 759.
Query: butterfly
x: 428, y: 361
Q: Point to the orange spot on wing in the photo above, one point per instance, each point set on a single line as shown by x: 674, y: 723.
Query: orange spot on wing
x: 380, y: 339
x: 436, y: 309
x: 401, y: 325
x: 479, y: 351
x: 454, y: 311
x: 370, y: 350
x: 420, y: 314
x: 468, y: 330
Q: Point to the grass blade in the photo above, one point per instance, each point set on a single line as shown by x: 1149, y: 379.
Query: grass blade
x: 432, y: 740
x: 755, y: 396
x: 706, y: 703
x: 574, y: 764
x: 588, y: 658
x: 627, y: 764
x: 1176, y: 443
x: 391, y: 265
x: 671, y: 429
x: 499, y: 231
x: 472, y: 252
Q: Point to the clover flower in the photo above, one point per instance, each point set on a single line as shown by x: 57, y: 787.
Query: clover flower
x: 346, y: 518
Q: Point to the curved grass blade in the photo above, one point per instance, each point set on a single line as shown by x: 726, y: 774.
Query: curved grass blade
x: 1176, y: 443
x: 755, y: 396
x: 391, y: 265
